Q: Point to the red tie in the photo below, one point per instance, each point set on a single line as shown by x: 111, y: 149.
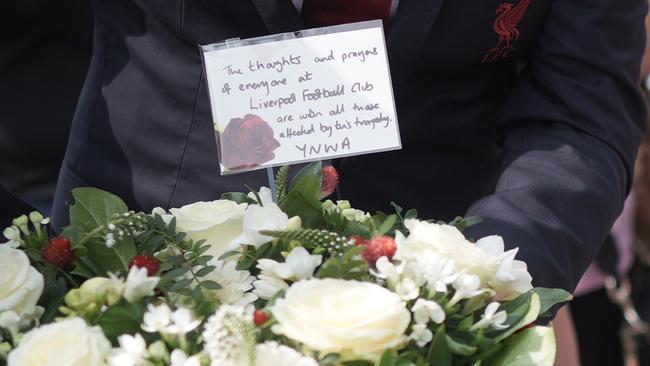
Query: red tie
x: 319, y: 13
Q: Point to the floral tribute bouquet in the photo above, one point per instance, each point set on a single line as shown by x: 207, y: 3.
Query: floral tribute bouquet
x: 246, y: 281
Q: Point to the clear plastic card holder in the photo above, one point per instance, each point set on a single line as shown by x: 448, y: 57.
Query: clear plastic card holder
x: 274, y: 98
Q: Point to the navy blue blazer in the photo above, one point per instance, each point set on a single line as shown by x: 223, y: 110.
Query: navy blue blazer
x: 524, y: 112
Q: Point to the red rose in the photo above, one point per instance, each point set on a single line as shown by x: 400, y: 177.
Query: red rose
x: 247, y: 142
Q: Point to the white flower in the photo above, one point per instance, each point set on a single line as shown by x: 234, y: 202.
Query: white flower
x: 179, y: 358
x: 512, y: 275
x: 12, y: 233
x: 100, y: 289
x: 265, y: 194
x: 235, y: 285
x: 429, y: 239
x: 492, y: 318
x: 426, y: 310
x: 332, y: 315
x: 21, y: 285
x: 298, y: 265
x: 267, y: 286
x: 132, y: 351
x: 274, y: 354
x: 157, y: 318
x: 67, y: 342
x: 258, y: 218
x: 344, y: 208
x: 407, y: 289
x: 388, y: 271
x: 161, y: 319
x: 421, y: 334
x: 434, y: 270
x: 182, y: 322
x: 139, y: 285
x: 467, y: 286
x: 9, y: 319
x: 223, y: 337
x: 218, y: 222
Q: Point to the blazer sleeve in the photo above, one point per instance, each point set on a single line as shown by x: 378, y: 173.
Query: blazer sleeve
x: 569, y: 135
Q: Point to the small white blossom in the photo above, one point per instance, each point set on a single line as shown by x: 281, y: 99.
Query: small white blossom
x: 161, y: 319
x: 273, y: 354
x: 298, y: 265
x: 179, y: 358
x: 182, y: 322
x: 139, y: 285
x: 511, y: 275
x: 426, y: 310
x: 265, y: 196
x: 407, y: 289
x: 467, y: 286
x: 157, y: 318
x: 235, y: 285
x: 132, y: 351
x: 267, y: 286
x: 421, y: 335
x: 388, y: 271
x: 492, y: 318
x: 259, y: 218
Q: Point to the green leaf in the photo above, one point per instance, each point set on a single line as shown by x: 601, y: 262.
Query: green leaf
x: 210, y: 285
x: 303, y: 197
x: 387, y: 225
x: 94, y: 207
x: 111, y: 259
x: 439, y: 353
x: 460, y: 348
x: 181, y: 284
x: 521, y: 311
x: 205, y: 271
x: 238, y: 197
x: 548, y: 297
x: 176, y: 272
x: 122, y: 318
x: 389, y: 358
x: 532, y: 347
x: 355, y: 228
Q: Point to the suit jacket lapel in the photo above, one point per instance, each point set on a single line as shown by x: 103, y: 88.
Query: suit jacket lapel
x: 279, y: 15
x: 406, y: 36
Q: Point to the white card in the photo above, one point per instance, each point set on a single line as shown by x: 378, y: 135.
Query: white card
x: 282, y: 100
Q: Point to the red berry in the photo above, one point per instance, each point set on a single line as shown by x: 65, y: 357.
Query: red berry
x: 144, y: 261
x: 377, y: 247
x: 260, y: 317
x: 330, y: 181
x: 58, y: 252
x: 358, y: 240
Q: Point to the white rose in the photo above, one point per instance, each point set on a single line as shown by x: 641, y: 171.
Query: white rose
x: 21, y: 285
x: 429, y: 239
x: 69, y: 342
x: 359, y: 319
x: 218, y: 222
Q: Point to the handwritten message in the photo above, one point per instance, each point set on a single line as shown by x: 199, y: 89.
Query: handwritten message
x: 302, y: 99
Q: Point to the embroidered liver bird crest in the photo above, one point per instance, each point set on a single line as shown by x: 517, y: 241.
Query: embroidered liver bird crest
x: 505, y: 26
